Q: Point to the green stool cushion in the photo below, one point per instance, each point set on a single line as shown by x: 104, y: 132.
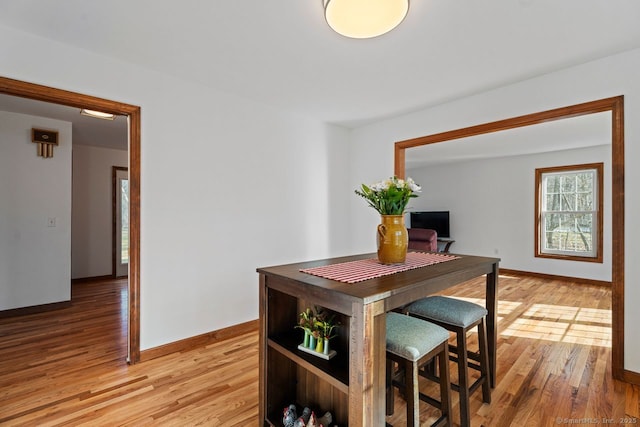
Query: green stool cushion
x: 448, y: 310
x: 412, y: 338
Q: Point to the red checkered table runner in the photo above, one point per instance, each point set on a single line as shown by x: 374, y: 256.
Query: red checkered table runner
x: 365, y: 269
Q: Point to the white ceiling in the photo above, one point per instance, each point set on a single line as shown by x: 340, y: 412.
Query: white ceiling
x: 282, y: 53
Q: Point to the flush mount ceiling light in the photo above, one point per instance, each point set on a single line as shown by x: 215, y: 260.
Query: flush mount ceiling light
x: 97, y: 114
x: 362, y: 19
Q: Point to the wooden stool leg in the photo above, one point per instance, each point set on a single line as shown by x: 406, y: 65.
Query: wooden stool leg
x: 484, y: 362
x: 430, y: 367
x: 445, y: 383
x: 389, y: 391
x: 463, y: 378
x: 412, y: 392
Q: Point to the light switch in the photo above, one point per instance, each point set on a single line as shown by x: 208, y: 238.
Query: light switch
x: 51, y: 222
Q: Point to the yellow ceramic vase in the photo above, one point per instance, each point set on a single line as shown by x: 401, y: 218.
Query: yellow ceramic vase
x: 392, y: 240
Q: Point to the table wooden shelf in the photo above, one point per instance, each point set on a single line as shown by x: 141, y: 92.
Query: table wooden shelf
x: 334, y: 371
x: 351, y: 385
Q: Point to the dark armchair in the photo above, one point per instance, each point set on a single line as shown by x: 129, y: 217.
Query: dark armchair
x: 423, y: 239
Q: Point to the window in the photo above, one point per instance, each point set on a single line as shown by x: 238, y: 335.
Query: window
x: 124, y: 221
x: 569, y: 212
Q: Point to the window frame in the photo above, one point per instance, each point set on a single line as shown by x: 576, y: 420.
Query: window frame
x: 598, y: 202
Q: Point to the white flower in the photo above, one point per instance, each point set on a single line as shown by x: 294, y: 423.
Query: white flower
x: 413, y: 186
x: 389, y: 197
x: 380, y: 186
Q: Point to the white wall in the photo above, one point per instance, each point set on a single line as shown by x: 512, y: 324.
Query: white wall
x: 91, y: 232
x: 371, y: 152
x: 227, y: 185
x: 34, y: 258
x: 491, y: 204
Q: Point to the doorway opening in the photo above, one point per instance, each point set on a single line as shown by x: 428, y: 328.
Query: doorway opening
x: 615, y: 106
x: 77, y: 100
x: 120, y: 216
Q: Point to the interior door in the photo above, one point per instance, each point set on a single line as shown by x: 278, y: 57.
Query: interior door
x: 121, y: 221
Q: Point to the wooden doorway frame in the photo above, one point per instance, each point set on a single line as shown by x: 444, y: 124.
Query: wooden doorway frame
x: 616, y: 106
x: 77, y: 100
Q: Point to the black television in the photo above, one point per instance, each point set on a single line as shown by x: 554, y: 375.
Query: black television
x: 435, y: 220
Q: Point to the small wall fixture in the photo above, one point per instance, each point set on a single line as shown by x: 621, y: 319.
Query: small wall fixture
x: 45, y: 139
x: 97, y: 114
x: 363, y: 19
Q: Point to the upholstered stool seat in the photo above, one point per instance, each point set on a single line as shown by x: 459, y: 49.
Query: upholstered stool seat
x: 412, y: 343
x: 449, y: 310
x: 460, y: 317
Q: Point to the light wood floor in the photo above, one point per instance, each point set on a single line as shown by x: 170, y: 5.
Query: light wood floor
x: 68, y: 367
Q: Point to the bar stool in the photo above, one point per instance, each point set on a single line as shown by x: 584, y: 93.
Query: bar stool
x: 460, y: 317
x: 411, y: 343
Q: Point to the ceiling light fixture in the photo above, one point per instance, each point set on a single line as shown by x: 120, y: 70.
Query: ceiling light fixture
x: 363, y: 19
x: 97, y: 114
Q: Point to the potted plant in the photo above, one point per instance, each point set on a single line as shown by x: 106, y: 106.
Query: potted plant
x: 390, y: 198
x: 306, y: 321
x: 319, y: 327
x: 327, y: 325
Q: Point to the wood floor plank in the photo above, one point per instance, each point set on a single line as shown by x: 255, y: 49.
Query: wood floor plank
x: 68, y: 368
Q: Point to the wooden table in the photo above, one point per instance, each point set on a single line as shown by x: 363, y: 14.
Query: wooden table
x: 352, y: 384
